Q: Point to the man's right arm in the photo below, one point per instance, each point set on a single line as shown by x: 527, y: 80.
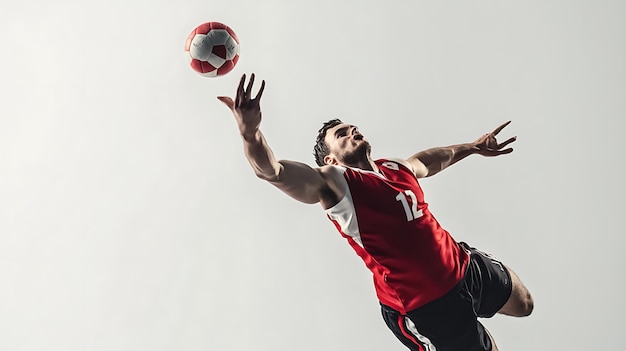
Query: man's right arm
x: 298, y: 180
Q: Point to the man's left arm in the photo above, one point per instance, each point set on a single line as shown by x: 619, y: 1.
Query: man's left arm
x: 432, y: 161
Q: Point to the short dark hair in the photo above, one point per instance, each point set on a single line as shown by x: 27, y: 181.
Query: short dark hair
x: 320, y: 150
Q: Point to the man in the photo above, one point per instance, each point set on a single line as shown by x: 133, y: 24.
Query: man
x: 431, y: 288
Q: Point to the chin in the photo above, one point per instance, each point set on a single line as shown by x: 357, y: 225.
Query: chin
x: 366, y: 145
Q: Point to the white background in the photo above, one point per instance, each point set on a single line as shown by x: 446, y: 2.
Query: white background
x: 130, y: 219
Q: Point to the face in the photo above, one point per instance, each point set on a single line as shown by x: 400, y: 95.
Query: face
x: 346, y: 144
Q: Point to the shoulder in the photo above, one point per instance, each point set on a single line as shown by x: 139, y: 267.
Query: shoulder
x: 331, y: 171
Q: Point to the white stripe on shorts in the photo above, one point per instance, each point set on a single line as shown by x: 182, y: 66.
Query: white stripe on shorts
x: 428, y: 345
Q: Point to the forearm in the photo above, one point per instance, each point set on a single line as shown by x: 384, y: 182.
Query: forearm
x: 260, y: 156
x: 439, y: 158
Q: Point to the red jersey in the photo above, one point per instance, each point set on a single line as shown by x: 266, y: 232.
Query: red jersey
x: 387, y: 222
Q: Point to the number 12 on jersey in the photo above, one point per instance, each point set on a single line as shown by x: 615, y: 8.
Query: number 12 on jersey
x: 411, y: 210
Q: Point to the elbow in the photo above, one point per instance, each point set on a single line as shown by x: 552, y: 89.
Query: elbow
x: 272, y: 175
x: 265, y: 176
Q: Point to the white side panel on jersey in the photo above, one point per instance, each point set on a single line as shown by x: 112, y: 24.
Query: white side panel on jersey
x: 345, y: 215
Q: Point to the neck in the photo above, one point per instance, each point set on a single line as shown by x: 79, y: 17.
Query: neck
x: 366, y: 164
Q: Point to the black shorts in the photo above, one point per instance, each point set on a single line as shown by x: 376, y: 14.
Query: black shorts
x: 450, y: 322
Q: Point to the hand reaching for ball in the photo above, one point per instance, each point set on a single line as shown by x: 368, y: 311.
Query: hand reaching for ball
x: 245, y: 108
x: 487, y: 145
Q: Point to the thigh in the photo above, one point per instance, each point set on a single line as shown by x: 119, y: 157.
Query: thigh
x: 396, y: 322
x: 488, y: 281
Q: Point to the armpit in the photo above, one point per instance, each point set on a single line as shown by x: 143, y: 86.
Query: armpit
x: 336, y: 185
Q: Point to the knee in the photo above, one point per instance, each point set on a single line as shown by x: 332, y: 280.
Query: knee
x: 527, y: 304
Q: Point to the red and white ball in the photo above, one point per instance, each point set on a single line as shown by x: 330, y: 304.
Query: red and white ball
x: 212, y: 49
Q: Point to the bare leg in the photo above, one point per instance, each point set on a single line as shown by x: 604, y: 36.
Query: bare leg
x: 520, y: 303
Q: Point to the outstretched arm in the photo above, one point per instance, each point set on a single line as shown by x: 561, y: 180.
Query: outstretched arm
x: 296, y: 179
x: 432, y: 161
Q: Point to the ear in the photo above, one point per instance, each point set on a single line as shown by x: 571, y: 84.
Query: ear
x: 330, y: 160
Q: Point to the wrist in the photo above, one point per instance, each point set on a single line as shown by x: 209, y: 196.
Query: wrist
x: 470, y: 148
x: 249, y: 135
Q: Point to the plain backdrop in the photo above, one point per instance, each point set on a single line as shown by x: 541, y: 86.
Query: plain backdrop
x: 130, y: 219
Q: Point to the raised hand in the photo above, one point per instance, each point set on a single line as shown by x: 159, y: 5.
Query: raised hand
x: 487, y: 145
x: 245, y: 108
